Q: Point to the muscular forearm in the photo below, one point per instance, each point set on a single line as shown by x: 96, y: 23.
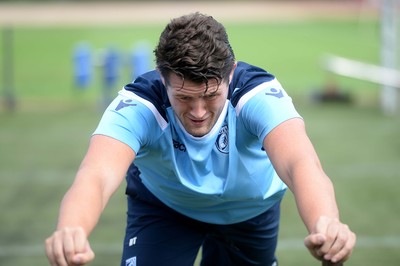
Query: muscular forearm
x: 100, y: 174
x: 329, y: 238
x: 297, y: 163
x: 314, y: 195
x: 81, y: 207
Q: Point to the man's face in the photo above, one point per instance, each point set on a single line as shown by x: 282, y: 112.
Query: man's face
x: 196, y: 108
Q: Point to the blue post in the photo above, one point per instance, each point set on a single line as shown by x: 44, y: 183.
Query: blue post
x: 111, y: 67
x: 140, y: 59
x: 82, y: 65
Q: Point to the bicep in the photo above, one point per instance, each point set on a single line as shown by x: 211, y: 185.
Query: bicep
x: 291, y: 151
x: 105, y: 164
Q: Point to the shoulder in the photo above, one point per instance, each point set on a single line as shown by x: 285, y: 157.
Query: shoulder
x: 150, y: 88
x: 245, y: 78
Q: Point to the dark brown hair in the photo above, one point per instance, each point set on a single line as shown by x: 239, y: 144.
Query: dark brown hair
x: 195, y: 47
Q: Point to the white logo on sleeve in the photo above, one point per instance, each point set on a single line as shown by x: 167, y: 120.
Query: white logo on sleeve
x: 131, y: 261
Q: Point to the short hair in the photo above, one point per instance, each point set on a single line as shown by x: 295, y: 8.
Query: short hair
x: 195, y: 47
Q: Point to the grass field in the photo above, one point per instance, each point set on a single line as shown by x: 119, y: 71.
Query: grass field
x: 42, y: 143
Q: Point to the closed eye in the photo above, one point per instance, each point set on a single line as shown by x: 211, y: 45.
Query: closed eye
x: 184, y: 98
x: 211, y: 96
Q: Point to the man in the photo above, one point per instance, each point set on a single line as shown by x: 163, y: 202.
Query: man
x: 215, y: 144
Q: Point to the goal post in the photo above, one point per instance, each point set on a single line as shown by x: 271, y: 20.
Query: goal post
x: 387, y: 73
x: 390, y: 99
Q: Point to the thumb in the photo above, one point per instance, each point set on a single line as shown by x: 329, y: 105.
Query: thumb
x: 314, y: 240
x: 84, y: 257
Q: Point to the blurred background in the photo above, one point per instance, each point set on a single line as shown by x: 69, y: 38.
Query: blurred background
x: 61, y: 62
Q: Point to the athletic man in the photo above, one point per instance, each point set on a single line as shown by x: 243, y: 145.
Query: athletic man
x: 215, y: 144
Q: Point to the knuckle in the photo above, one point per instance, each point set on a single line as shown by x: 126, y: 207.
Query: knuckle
x: 56, y: 235
x: 65, y: 230
x: 48, y: 241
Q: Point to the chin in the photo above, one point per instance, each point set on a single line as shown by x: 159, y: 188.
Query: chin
x: 198, y: 133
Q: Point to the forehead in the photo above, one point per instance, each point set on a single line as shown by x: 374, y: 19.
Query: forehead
x: 178, y: 85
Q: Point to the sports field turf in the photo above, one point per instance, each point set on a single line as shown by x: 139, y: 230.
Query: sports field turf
x: 42, y: 143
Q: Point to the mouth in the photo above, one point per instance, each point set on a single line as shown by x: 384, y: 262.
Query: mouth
x: 198, y: 122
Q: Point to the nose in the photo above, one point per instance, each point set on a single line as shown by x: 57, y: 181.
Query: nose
x: 198, y: 108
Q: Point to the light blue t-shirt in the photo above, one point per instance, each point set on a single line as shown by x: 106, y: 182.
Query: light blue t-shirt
x: 223, y: 177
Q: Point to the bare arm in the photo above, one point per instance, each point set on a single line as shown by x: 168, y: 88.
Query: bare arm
x: 100, y: 174
x: 297, y: 163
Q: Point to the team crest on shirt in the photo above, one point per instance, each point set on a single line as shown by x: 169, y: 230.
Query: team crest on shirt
x: 278, y: 93
x: 222, y: 142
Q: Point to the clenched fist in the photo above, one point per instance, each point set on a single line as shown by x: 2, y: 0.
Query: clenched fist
x: 68, y: 247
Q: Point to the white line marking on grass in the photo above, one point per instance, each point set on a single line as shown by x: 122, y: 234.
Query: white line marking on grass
x: 387, y: 169
x: 363, y: 242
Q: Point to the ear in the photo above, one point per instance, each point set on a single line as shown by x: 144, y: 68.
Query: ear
x: 161, y: 76
x: 163, y: 80
x: 233, y: 70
